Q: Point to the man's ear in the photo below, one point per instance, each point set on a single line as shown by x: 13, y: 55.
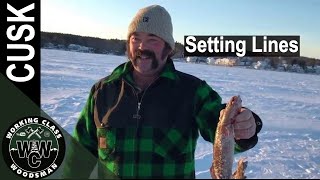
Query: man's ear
x: 171, y: 52
x: 167, y: 51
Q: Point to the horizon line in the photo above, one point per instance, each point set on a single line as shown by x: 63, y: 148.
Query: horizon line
x: 126, y: 40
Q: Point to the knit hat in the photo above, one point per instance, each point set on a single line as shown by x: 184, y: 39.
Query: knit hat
x: 153, y: 19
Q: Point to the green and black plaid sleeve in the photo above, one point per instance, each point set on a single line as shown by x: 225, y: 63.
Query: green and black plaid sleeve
x: 207, y: 110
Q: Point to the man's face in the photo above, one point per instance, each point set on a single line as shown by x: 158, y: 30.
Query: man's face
x: 146, y: 53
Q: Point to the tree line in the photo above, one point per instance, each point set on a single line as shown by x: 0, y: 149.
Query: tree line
x: 118, y: 47
x: 98, y: 45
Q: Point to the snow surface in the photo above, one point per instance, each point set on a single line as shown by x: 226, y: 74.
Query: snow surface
x: 288, y: 103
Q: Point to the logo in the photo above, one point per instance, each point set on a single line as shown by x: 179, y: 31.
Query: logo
x: 145, y: 19
x: 33, y: 147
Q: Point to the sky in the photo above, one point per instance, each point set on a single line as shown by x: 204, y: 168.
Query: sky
x: 110, y: 19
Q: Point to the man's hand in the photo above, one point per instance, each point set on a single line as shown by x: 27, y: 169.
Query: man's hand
x: 244, y: 125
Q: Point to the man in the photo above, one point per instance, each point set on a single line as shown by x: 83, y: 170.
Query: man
x: 143, y: 120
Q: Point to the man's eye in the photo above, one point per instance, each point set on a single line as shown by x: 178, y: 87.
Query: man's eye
x: 154, y: 40
x: 135, y: 39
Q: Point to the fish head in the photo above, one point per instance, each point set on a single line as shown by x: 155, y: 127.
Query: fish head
x: 231, y: 110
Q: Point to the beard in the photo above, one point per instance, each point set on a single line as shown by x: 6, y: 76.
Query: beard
x: 147, y: 53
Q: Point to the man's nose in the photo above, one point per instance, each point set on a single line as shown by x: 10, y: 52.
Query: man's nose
x: 142, y: 45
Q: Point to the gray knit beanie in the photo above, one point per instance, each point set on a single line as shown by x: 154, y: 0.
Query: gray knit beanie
x: 153, y: 19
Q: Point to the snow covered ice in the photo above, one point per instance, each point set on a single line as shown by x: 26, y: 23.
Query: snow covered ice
x: 288, y: 103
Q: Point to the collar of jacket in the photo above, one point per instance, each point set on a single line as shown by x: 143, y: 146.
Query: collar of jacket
x: 125, y: 71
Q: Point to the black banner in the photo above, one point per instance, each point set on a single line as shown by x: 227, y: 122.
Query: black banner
x: 20, y: 47
x: 240, y: 46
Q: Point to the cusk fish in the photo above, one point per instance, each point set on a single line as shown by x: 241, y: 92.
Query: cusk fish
x: 223, y: 146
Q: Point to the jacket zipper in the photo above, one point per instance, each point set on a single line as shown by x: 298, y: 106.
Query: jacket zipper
x: 138, y: 117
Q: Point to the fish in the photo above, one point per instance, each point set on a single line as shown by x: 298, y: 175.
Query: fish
x: 223, y: 146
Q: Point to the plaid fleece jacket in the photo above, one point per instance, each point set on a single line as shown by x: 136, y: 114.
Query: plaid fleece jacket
x: 151, y: 134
